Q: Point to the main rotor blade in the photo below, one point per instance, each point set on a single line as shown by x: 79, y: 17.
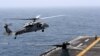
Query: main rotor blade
x: 57, y: 45
x: 52, y: 16
x: 37, y: 16
x: 23, y: 19
x: 46, y: 44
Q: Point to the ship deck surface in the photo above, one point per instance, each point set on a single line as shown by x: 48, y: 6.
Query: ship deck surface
x: 77, y: 45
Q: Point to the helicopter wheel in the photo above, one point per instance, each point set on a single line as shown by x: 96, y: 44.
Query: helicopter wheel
x: 15, y: 37
x: 42, y: 30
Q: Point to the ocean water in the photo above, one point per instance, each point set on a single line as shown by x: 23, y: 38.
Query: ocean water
x: 78, y: 21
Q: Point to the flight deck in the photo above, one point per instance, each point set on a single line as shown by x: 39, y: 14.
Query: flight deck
x: 80, y: 46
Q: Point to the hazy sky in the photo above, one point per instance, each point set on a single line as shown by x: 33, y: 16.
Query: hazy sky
x: 48, y: 3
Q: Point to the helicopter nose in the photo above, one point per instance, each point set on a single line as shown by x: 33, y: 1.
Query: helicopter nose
x: 46, y: 25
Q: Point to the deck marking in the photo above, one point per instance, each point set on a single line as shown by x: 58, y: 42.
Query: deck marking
x: 87, y: 40
x: 79, y: 44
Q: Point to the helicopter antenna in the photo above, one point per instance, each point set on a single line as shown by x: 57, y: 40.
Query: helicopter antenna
x: 53, y: 16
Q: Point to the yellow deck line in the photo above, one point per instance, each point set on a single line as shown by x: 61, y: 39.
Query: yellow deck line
x: 83, y: 52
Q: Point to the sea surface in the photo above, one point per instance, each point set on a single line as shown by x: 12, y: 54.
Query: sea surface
x: 77, y: 22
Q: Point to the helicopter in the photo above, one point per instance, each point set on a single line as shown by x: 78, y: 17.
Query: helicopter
x: 33, y: 26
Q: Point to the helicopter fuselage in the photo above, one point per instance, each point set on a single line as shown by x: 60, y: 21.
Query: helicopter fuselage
x: 29, y: 27
x: 32, y: 27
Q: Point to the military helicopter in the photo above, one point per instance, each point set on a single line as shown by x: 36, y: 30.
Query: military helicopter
x: 33, y: 26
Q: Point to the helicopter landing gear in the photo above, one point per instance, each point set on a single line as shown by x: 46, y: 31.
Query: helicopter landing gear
x: 15, y: 37
x: 42, y: 30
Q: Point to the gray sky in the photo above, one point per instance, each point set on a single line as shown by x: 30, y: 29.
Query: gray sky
x: 48, y: 3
